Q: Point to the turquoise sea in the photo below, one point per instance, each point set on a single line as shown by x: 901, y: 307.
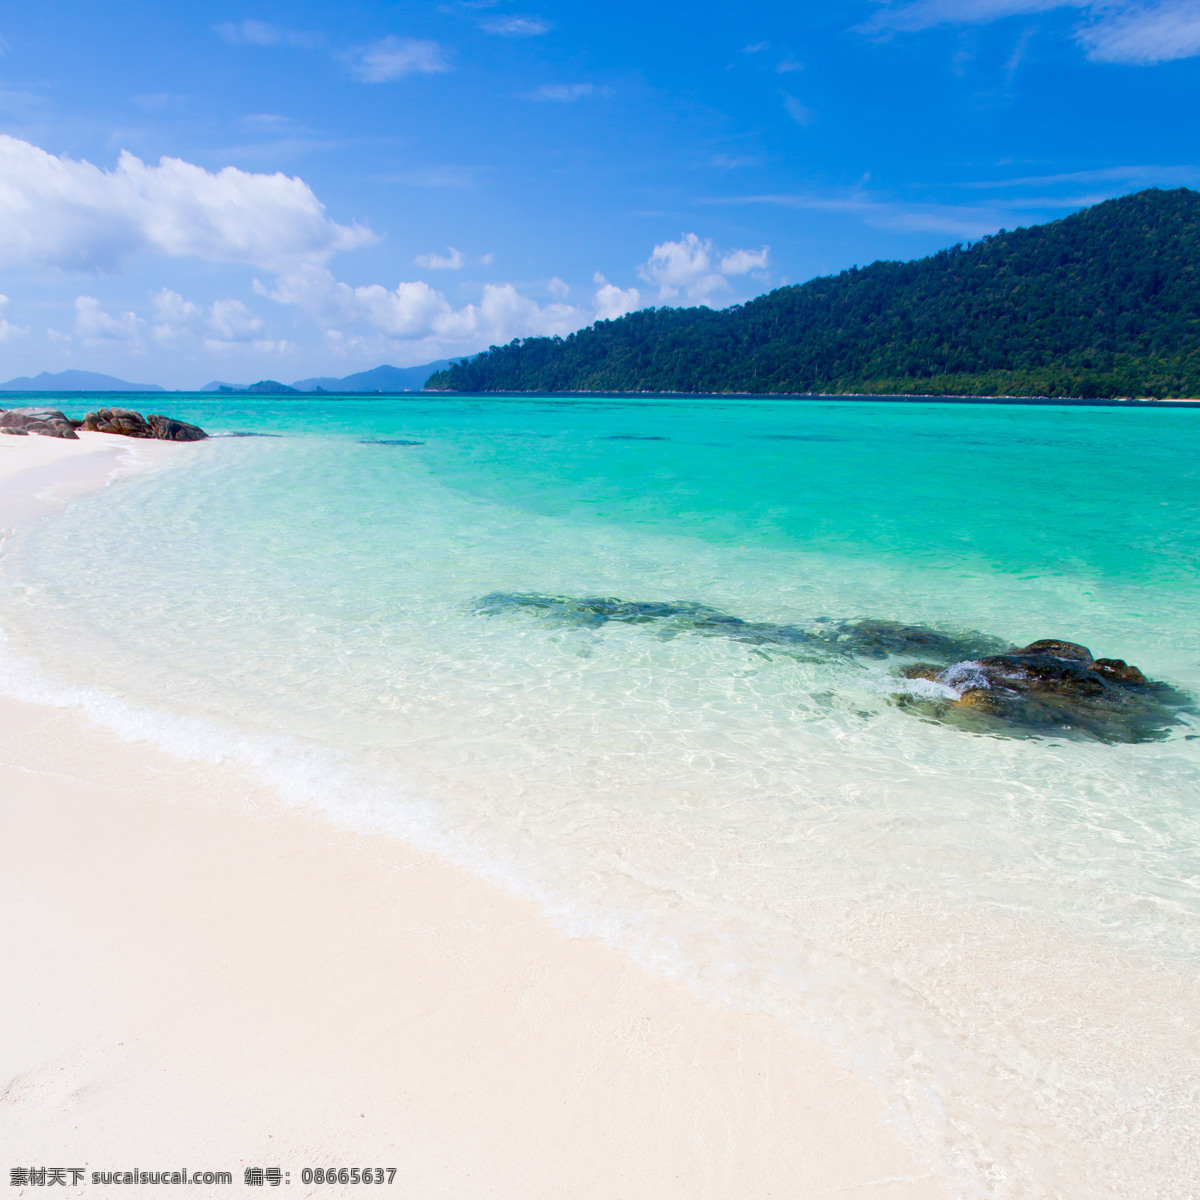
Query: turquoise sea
x: 1002, y: 933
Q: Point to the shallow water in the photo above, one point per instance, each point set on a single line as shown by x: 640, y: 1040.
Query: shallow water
x: 1003, y: 933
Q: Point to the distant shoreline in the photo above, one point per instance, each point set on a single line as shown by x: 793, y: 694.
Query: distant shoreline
x: 887, y: 397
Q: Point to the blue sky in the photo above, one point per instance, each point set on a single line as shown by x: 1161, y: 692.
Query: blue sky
x: 240, y: 191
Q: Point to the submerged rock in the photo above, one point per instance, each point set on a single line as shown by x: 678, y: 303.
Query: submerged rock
x: 862, y: 638
x: 127, y: 423
x: 1049, y: 687
x: 49, y: 422
x: 972, y: 681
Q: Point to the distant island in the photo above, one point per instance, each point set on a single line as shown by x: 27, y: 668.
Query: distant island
x: 75, y: 381
x: 1103, y: 303
x: 378, y: 379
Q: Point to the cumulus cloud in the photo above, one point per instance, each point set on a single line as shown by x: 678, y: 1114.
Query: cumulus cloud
x: 454, y: 261
x: 414, y: 310
x: 612, y: 301
x: 226, y: 322
x: 8, y: 330
x: 93, y: 324
x: 232, y: 321
x: 518, y: 27
x: 394, y: 58
x: 66, y: 213
x: 742, y: 262
x: 693, y: 268
x: 1137, y: 32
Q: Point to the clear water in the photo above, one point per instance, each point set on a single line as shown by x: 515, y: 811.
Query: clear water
x: 1003, y: 934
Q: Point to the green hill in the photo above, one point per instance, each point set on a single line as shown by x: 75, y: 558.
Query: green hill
x: 1105, y: 302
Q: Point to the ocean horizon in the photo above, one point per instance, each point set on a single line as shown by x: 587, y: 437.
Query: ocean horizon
x: 602, y: 650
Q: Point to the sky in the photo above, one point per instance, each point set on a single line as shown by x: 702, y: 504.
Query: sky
x: 240, y: 191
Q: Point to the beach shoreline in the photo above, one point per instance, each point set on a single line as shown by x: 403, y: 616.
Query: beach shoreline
x: 202, y: 977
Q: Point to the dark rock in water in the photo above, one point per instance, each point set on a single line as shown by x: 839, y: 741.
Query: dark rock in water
x: 127, y: 423
x: 1068, y: 650
x: 890, y: 639
x: 388, y: 442
x: 167, y: 429
x: 865, y: 639
x: 675, y: 616
x: 49, y: 422
x: 1050, y: 687
x: 1119, y: 670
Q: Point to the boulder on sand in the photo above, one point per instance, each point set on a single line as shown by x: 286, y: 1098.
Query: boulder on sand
x: 49, y: 422
x: 118, y: 420
x: 127, y: 423
x: 167, y: 429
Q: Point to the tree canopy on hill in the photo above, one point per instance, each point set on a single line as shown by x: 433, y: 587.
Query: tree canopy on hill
x: 1105, y: 302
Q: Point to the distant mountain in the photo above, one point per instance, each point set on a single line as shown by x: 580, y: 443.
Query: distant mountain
x: 1102, y: 303
x: 264, y: 387
x: 381, y: 379
x: 217, y: 385
x: 75, y: 381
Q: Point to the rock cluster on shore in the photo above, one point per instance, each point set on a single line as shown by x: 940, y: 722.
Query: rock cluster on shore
x: 49, y: 422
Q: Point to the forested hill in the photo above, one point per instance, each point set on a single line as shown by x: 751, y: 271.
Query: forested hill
x: 1102, y: 303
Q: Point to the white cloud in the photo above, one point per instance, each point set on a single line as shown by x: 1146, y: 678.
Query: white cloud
x: 93, y: 324
x: 925, y: 14
x: 516, y: 26
x: 558, y: 288
x: 731, y: 162
x: 232, y: 321
x: 800, y: 113
x: 692, y: 268
x: 1142, y: 176
x: 563, y: 93
x: 612, y: 301
x: 260, y: 33
x: 66, y: 213
x: 453, y: 261
x: 1145, y: 34
x: 178, y: 321
x: 742, y: 262
x: 954, y: 220
x: 172, y: 311
x: 8, y: 331
x: 1137, y: 32
x: 394, y: 58
x: 414, y: 310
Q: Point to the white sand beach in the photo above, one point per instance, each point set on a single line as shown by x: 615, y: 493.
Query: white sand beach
x: 196, y: 976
